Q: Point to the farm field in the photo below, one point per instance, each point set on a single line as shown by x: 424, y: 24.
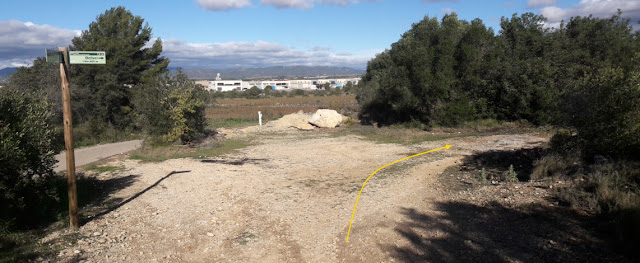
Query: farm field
x: 230, y: 113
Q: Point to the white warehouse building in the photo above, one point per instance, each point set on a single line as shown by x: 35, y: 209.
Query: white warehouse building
x: 224, y: 85
x: 220, y: 85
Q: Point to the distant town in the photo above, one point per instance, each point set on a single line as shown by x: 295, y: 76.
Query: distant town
x: 220, y: 85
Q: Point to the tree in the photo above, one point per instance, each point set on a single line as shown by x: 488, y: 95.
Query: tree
x: 298, y: 92
x: 41, y: 78
x: 129, y: 63
x: 26, y: 155
x: 172, y: 107
x: 253, y: 93
x: 327, y: 86
x: 348, y: 87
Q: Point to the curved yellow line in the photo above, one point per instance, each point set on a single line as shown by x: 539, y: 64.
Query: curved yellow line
x: 365, y: 182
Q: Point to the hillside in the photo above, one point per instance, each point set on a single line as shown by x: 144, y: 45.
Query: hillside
x: 5, y: 72
x: 271, y: 72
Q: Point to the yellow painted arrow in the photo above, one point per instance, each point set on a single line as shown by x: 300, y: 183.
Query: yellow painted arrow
x: 365, y: 182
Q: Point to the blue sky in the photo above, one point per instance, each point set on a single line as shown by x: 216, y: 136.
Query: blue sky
x: 258, y: 33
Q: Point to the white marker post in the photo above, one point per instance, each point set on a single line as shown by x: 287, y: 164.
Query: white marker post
x: 260, y: 117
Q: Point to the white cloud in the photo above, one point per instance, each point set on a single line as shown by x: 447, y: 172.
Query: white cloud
x: 439, y: 1
x: 446, y: 11
x: 321, y: 48
x: 540, y: 3
x: 308, y: 4
x: 22, y: 42
x: 223, y: 5
x: 597, y: 8
x: 302, y: 4
x: 253, y: 54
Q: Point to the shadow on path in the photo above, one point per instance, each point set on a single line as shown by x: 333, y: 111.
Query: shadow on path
x: 497, y: 163
x: 120, y: 183
x: 464, y: 232
x: 236, y: 162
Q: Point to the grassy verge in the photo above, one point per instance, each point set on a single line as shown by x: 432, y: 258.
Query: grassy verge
x: 410, y: 134
x: 85, y: 135
x: 158, y: 153
x: 22, y: 242
x: 609, y: 190
x: 23, y: 246
x: 103, y: 168
x: 214, y: 123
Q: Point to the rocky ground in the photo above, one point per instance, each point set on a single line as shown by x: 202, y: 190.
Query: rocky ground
x: 289, y: 198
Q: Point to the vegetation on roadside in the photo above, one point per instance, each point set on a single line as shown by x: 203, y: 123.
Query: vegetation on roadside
x: 161, y: 152
x: 131, y: 96
x: 412, y: 133
x: 583, y: 76
x: 26, y: 155
x: 103, y: 168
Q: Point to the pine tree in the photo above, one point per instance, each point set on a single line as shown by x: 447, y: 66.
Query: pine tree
x: 123, y: 37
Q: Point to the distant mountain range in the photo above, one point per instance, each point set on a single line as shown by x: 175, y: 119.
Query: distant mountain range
x: 5, y: 72
x: 271, y: 72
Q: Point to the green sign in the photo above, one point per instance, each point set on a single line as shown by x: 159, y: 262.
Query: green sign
x: 53, y: 56
x: 87, y: 57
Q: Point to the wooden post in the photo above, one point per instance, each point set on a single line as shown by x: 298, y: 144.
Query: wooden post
x: 68, y: 140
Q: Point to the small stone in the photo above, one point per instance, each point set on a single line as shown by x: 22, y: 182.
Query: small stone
x: 76, y: 251
x: 97, y: 233
x: 210, y: 234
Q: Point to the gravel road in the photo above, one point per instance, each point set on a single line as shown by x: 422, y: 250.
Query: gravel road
x: 91, y: 154
x: 287, y: 199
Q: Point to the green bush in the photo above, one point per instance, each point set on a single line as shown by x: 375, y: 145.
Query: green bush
x: 298, y: 92
x: 605, y: 111
x: 252, y: 93
x: 172, y: 108
x: 26, y: 158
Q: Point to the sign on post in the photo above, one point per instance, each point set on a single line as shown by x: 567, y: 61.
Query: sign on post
x: 53, y: 56
x: 64, y: 58
x: 87, y: 57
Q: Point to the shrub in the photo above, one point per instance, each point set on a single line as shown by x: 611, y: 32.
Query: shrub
x: 605, y: 111
x: 511, y: 175
x: 26, y: 158
x: 172, y: 107
x: 298, y: 92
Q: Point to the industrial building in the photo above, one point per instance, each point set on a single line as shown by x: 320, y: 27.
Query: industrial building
x: 219, y: 85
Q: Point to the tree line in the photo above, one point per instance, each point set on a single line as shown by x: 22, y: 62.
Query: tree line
x: 583, y: 75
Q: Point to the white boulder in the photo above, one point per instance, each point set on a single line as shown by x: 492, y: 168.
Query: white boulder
x: 325, y: 118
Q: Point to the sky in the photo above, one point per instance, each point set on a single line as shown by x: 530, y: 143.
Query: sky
x: 222, y: 34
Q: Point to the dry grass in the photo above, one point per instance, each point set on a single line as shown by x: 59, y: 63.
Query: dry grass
x: 227, y: 112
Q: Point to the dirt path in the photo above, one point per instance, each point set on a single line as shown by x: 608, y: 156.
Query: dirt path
x: 287, y: 199
x: 91, y: 154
